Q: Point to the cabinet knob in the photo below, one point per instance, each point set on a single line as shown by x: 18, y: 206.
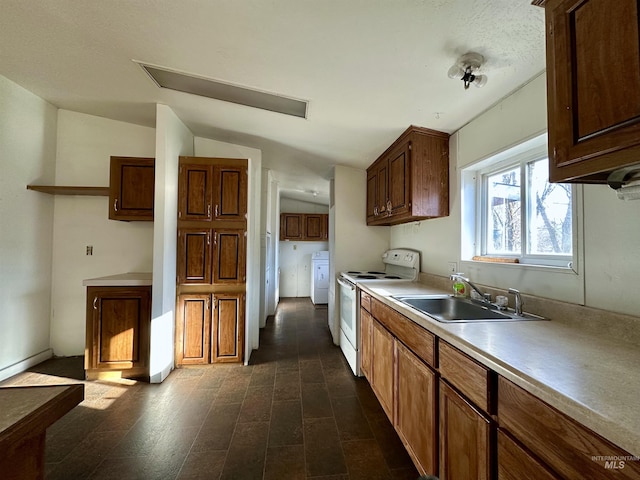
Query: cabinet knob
x: 209, y: 210
x: 389, y: 206
x: 217, y: 211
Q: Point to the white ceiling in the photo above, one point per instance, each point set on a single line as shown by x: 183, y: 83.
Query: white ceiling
x: 369, y: 68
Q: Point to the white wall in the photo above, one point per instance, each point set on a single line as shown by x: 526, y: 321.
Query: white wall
x: 295, y: 267
x: 85, y: 145
x: 27, y: 155
x: 172, y: 140
x: 211, y: 148
x: 289, y: 205
x: 611, y: 264
x: 352, y: 244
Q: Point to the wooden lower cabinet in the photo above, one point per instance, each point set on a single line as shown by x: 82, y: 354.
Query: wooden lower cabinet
x: 515, y: 463
x: 228, y: 328
x: 366, y: 326
x: 465, y: 438
x: 416, y: 414
x: 210, y: 328
x: 382, y: 367
x: 118, y: 332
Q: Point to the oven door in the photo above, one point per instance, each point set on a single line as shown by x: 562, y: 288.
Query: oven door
x: 349, y: 327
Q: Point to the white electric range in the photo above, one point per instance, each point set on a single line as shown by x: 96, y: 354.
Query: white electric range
x: 401, y: 264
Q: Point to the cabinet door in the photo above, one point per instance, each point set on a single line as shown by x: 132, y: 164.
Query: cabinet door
x: 229, y: 263
x: 230, y: 192
x: 194, y: 256
x: 400, y: 180
x: 464, y: 438
x: 228, y: 328
x: 515, y: 463
x: 416, y: 419
x: 382, y: 367
x: 366, y: 339
x: 291, y: 227
x: 195, y: 192
x: 131, y: 188
x: 593, y: 88
x: 118, y: 328
x: 193, y: 329
x: 313, y: 227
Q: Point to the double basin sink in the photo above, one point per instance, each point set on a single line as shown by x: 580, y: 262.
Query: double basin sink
x: 448, y: 309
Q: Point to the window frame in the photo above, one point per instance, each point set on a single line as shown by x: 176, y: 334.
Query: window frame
x: 475, y: 202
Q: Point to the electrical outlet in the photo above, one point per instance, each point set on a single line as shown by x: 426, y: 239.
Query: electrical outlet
x: 453, y: 267
x: 89, y: 249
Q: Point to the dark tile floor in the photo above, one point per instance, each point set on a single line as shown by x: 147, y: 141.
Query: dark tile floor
x: 296, y: 412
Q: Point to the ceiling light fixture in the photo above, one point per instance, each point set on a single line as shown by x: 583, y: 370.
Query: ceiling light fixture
x: 466, y: 68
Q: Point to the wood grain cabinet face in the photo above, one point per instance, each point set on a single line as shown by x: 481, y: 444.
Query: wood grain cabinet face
x: 228, y: 328
x: 230, y: 256
x: 131, y: 188
x: 118, y: 322
x: 212, y: 189
x: 410, y: 180
x: 593, y: 88
x: 210, y: 328
x: 382, y: 367
x: 195, y: 192
x: 564, y: 445
x: 193, y: 332
x: 291, y: 226
x: 309, y: 227
x: 366, y: 337
x: 515, y: 463
x: 230, y: 194
x: 464, y: 438
x: 416, y: 419
x: 194, y: 256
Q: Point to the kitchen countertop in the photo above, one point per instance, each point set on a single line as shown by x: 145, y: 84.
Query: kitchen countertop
x: 121, y: 280
x: 591, y: 378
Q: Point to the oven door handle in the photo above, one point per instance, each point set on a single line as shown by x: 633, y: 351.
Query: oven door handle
x: 346, y: 284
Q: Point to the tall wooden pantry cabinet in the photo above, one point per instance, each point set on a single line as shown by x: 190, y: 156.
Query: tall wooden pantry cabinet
x: 211, y: 263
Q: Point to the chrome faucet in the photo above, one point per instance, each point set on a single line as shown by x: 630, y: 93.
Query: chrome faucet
x: 518, y: 306
x: 485, y: 297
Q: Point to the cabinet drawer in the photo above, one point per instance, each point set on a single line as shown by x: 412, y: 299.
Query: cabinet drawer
x: 515, y: 463
x: 365, y: 301
x: 420, y: 341
x: 467, y: 375
x: 562, y: 443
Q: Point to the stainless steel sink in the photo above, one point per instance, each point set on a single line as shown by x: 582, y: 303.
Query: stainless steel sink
x: 454, y: 309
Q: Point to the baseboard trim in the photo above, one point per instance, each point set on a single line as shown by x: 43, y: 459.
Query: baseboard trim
x: 25, y: 364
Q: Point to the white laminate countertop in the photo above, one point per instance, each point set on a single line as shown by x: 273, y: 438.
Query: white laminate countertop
x: 121, y: 280
x: 591, y: 378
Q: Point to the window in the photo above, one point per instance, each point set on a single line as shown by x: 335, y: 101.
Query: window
x: 517, y: 215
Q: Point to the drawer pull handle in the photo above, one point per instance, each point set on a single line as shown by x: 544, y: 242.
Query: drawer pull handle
x: 115, y: 205
x: 95, y: 303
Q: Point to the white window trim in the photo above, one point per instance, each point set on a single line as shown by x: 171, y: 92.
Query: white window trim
x: 472, y: 194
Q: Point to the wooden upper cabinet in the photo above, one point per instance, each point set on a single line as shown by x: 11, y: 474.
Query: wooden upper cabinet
x: 291, y: 226
x: 195, y: 192
x: 212, y: 189
x: 410, y: 180
x: 310, y: 227
x: 593, y: 88
x: 131, y: 188
x: 314, y: 227
x: 230, y: 192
